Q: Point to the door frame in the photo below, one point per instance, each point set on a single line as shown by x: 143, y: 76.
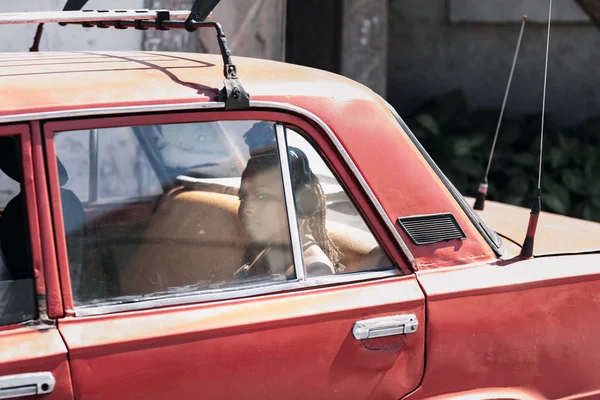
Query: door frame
x: 37, y: 346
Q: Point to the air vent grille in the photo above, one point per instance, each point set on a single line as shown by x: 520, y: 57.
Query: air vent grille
x: 432, y: 228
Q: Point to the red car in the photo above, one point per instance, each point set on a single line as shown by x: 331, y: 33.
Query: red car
x: 164, y: 238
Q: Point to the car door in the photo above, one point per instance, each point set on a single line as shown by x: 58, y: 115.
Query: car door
x: 33, y: 356
x: 189, y: 320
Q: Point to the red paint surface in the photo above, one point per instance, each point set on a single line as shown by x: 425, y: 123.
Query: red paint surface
x: 30, y: 349
x: 22, y: 131
x: 528, y: 324
x: 58, y: 224
x: 270, y: 347
x: 398, y: 175
x: 48, y: 253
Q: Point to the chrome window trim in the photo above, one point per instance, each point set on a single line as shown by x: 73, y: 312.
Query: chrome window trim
x: 90, y: 112
x: 198, y: 298
x: 288, y: 194
x: 350, y: 277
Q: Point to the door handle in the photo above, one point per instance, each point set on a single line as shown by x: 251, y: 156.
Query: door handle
x: 385, y: 326
x: 21, y: 385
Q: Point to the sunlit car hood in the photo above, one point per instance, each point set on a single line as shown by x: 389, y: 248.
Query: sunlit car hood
x: 556, y: 234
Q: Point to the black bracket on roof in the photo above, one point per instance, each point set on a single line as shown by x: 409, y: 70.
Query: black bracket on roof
x: 233, y: 93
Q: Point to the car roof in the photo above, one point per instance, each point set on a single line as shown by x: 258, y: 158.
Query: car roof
x: 49, y: 81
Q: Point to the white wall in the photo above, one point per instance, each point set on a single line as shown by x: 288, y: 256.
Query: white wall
x: 66, y: 38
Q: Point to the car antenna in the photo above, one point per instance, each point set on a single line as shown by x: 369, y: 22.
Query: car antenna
x: 483, y: 186
x: 71, y: 5
x: 527, y: 248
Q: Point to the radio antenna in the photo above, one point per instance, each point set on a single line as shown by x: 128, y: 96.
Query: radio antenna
x: 527, y: 249
x: 483, y: 186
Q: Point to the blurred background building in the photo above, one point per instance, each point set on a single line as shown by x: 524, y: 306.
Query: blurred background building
x: 443, y: 64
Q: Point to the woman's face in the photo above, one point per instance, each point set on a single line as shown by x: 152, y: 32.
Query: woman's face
x: 262, y: 207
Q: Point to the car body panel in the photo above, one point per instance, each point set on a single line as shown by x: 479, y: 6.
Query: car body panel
x: 503, y: 393
x: 37, y: 349
x: 517, y: 323
x: 294, y: 345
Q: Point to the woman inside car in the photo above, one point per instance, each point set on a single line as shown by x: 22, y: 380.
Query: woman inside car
x: 263, y: 214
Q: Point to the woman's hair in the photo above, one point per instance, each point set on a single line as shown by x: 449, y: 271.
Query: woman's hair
x: 317, y: 227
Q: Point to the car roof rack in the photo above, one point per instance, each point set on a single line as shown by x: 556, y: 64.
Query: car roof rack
x: 232, y: 94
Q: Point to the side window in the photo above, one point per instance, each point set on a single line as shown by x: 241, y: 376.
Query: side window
x: 220, y: 222
x: 120, y: 154
x: 93, y: 158
x: 73, y: 150
x: 17, y: 294
x: 334, y: 234
x: 8, y: 189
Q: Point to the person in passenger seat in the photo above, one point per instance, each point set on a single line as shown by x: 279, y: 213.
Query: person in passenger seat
x: 263, y: 214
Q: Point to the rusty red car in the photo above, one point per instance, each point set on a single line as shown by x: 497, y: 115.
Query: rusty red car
x: 169, y: 232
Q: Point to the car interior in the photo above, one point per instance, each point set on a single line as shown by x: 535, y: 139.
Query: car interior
x: 188, y: 237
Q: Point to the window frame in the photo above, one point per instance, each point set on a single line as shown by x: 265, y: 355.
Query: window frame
x: 44, y: 278
x: 94, y: 199
x: 331, y: 156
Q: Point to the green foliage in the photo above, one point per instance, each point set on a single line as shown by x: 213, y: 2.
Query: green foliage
x: 460, y: 142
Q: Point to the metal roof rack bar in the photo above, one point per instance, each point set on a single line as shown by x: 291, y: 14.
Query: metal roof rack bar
x: 85, y: 16
x: 232, y: 94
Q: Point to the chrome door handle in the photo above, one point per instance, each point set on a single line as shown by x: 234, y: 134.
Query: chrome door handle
x: 385, y: 326
x: 21, y: 385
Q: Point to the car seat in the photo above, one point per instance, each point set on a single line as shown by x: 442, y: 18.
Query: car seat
x: 14, y: 233
x: 194, y: 237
